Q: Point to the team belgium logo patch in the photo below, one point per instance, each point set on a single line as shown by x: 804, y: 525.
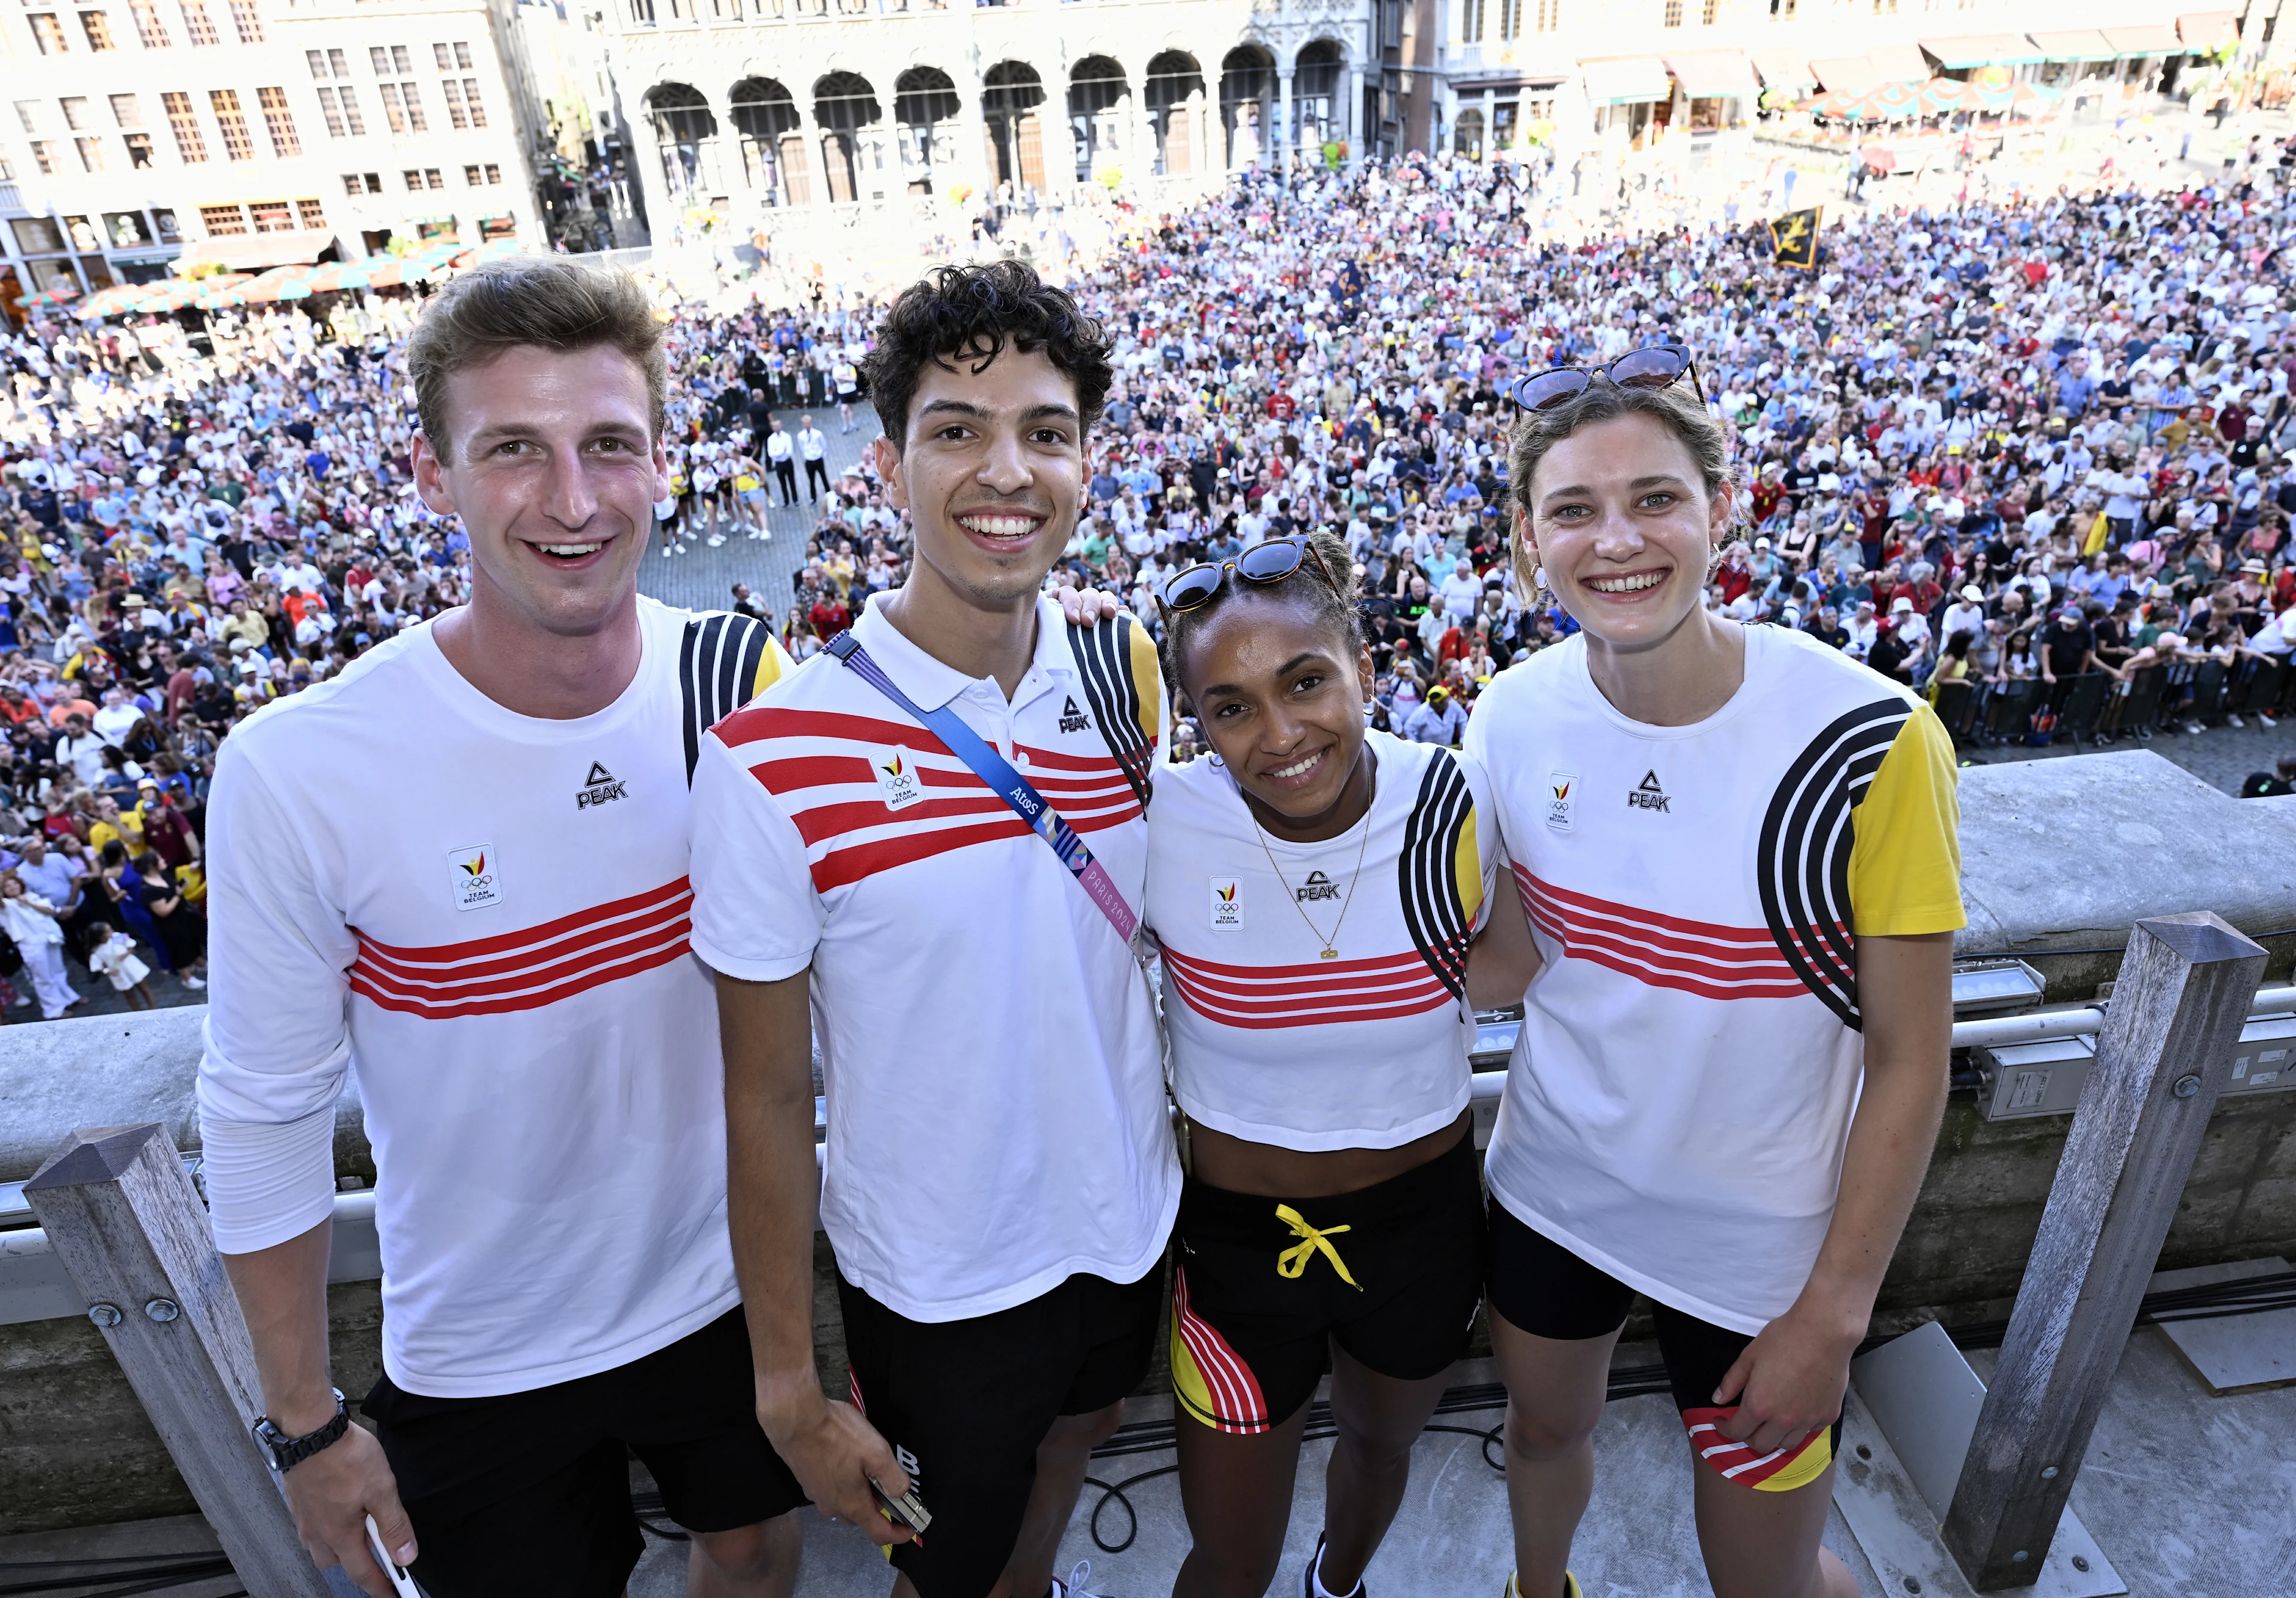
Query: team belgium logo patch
x: 897, y: 778
x: 475, y: 875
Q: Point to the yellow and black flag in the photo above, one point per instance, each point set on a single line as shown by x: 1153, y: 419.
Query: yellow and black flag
x: 1793, y: 238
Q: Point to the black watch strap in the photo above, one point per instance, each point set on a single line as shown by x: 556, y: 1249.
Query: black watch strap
x: 287, y: 1453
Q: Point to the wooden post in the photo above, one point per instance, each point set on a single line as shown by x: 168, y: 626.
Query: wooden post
x: 122, y: 1214
x: 2165, y: 1053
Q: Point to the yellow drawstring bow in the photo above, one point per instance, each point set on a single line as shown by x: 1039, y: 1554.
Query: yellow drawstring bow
x: 1293, y: 1261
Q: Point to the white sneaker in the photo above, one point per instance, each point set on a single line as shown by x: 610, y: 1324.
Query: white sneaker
x: 1073, y: 1588
x: 716, y: 539
x: 667, y: 550
x: 2233, y: 721
x: 192, y: 982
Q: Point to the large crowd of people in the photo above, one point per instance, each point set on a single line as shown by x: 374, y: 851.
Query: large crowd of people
x: 2024, y: 457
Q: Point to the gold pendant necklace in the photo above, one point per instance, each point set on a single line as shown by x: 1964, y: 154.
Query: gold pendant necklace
x: 1331, y: 943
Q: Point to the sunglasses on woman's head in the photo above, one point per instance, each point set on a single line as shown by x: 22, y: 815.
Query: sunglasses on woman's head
x: 1269, y: 561
x: 1651, y: 369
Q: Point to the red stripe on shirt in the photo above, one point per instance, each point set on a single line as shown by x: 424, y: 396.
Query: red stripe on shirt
x: 1712, y: 960
x: 505, y: 1003
x: 533, y: 936
x: 591, y: 945
x: 1319, y: 995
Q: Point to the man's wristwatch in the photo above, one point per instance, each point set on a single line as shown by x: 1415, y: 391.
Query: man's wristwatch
x: 287, y: 1453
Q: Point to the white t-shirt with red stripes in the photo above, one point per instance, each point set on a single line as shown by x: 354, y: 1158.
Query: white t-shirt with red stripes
x: 1681, y: 1091
x: 996, y: 1112
x: 486, y: 915
x: 1272, y: 1042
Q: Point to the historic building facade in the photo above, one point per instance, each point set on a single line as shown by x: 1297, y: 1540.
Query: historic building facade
x: 748, y: 108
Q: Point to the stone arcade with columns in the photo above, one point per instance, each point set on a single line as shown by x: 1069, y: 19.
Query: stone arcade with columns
x: 754, y: 108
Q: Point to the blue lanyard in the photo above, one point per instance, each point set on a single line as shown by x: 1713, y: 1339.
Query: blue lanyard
x: 1003, y: 781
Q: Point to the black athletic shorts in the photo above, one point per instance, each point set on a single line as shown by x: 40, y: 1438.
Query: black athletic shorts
x: 1544, y: 1289
x: 530, y: 1492
x: 1393, y: 1273
x: 965, y: 1404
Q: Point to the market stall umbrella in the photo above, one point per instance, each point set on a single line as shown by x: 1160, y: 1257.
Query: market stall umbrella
x: 1941, y: 95
x: 1880, y: 157
x: 116, y: 300
x: 57, y: 295
x: 1893, y: 103
x: 1838, y: 106
x: 272, y: 285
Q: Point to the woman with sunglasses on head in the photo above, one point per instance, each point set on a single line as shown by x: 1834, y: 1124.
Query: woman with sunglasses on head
x: 1314, y: 887
x: 1738, y: 867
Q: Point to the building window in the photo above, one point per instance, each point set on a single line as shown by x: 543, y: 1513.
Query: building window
x: 319, y: 60
x: 642, y: 14
x: 353, y: 184
x: 494, y: 173
x: 185, y: 124
x: 271, y: 216
x: 309, y: 213
x: 1713, y: 10
x: 328, y: 110
x: 91, y: 154
x: 471, y: 101
x: 49, y: 34
x: 1673, y: 13
x: 198, y: 26
x: 392, y: 109
x: 414, y: 176
x: 279, y: 122
x: 238, y: 143
x: 473, y: 177
x: 126, y: 112
x: 335, y: 59
x: 98, y: 28
x: 139, y: 149
x: 75, y: 110
x: 44, y: 157
x: 1471, y: 22
x: 454, y: 102
x: 352, y: 119
x: 1510, y: 19
x: 1550, y: 15
x: 436, y: 178
x: 222, y: 221
x: 444, y: 54
x: 393, y: 61
x: 248, y: 20
x: 411, y: 99
x: 151, y: 31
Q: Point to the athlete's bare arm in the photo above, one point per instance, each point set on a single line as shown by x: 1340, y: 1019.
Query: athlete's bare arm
x: 771, y: 1186
x: 1504, y: 958
x: 1792, y: 1375
x: 282, y: 1292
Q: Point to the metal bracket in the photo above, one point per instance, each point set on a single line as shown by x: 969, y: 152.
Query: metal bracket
x: 1905, y: 1425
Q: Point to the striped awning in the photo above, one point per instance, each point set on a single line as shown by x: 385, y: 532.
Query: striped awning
x: 1625, y: 80
x: 1847, y: 74
x: 2151, y: 38
x: 1783, y: 69
x: 1714, y: 74
x: 1982, y: 50
x: 2076, y: 45
x: 2205, y: 32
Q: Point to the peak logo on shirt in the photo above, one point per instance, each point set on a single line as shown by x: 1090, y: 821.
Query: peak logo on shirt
x: 1227, y: 904
x: 600, y: 786
x: 1073, y: 719
x: 1561, y: 799
x: 1647, y: 795
x: 1317, y: 887
x: 897, y: 778
x: 475, y: 876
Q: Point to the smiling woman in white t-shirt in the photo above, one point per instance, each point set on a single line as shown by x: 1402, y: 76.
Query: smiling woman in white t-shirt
x: 1737, y: 873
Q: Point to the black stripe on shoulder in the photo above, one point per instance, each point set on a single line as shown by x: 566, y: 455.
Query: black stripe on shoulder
x: 1103, y: 653
x: 1430, y: 888
x: 1808, y: 834
x: 716, y: 662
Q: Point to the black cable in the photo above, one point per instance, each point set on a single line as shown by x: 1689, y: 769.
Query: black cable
x: 2247, y: 1295
x: 157, y: 1572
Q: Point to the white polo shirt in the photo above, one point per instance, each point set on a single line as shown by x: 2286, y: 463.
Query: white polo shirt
x: 997, y: 1109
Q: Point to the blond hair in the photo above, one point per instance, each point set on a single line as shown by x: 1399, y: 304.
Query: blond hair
x: 1537, y: 432
x: 535, y: 301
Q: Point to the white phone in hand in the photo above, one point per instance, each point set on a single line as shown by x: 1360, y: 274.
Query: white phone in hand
x: 400, y: 1581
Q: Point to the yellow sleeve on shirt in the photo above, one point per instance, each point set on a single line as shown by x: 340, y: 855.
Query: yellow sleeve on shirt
x: 1904, y: 865
x: 1147, y: 680
x: 772, y: 666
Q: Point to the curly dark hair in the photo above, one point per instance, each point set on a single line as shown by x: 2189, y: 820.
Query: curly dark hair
x: 970, y: 314
x: 1335, y: 605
